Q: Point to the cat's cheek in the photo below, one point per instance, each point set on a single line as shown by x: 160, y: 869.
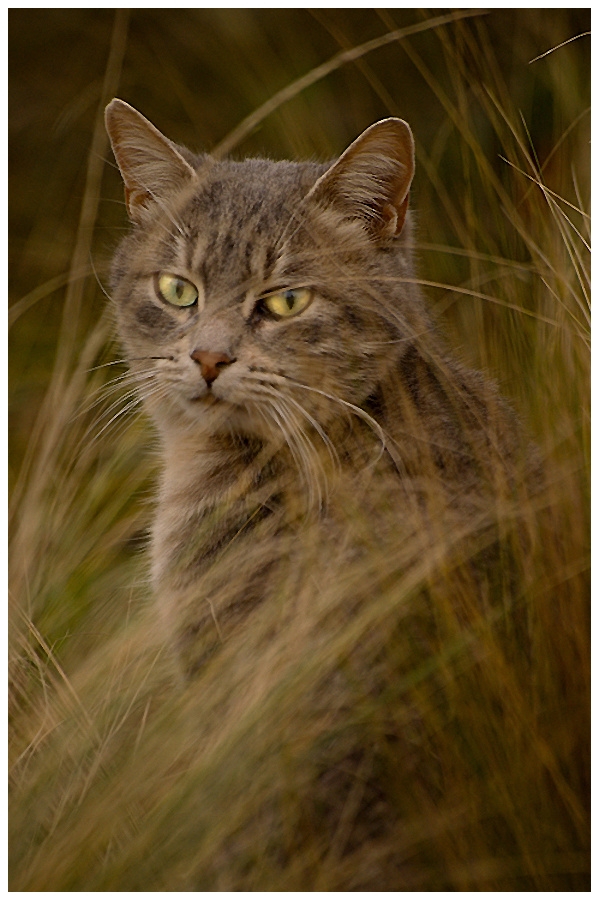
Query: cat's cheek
x: 153, y: 320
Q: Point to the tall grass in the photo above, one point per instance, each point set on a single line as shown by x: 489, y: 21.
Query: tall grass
x: 321, y: 750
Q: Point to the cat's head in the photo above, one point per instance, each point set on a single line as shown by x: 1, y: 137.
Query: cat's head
x: 260, y: 295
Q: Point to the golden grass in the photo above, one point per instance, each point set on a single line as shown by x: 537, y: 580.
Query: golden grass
x: 403, y: 747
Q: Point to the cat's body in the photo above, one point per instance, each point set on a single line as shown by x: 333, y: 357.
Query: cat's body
x: 272, y: 319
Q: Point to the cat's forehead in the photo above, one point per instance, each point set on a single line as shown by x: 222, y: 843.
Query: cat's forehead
x: 252, y: 187
x: 237, y: 215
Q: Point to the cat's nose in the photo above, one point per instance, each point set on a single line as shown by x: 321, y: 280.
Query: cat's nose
x: 211, y: 363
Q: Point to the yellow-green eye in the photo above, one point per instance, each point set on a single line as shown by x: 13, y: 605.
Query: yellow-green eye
x: 284, y: 304
x: 176, y: 290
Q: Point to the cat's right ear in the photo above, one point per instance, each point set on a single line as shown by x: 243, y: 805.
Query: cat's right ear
x: 151, y: 166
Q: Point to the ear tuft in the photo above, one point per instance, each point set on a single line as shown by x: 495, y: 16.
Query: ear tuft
x: 151, y: 166
x: 371, y: 179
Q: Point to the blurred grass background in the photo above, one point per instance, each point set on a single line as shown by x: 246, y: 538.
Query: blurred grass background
x: 501, y: 199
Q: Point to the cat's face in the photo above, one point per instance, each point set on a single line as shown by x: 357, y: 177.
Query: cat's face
x: 247, y: 295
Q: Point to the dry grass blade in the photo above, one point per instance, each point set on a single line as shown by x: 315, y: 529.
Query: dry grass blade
x: 319, y: 72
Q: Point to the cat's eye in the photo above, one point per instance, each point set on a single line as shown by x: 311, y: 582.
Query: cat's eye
x: 285, y: 304
x: 176, y: 290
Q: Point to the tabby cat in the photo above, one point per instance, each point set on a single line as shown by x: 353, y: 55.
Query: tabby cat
x: 309, y: 414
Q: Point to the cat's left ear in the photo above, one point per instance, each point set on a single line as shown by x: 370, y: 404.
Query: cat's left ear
x: 371, y: 179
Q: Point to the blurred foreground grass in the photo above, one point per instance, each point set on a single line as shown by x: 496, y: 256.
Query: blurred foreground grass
x: 472, y: 765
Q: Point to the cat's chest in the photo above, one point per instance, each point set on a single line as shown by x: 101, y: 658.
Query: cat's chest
x: 243, y: 511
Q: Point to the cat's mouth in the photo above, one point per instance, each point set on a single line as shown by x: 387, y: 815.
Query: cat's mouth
x: 207, y: 399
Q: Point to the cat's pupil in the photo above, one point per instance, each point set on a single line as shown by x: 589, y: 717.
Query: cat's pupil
x: 289, y: 298
x: 179, y: 288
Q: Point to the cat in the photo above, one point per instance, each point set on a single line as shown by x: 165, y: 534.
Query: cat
x: 308, y: 410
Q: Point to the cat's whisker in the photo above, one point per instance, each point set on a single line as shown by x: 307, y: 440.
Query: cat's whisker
x: 124, y: 378
x: 123, y: 398
x: 127, y: 408
x: 105, y: 391
x: 99, y: 394
x: 93, y: 433
x: 158, y: 388
x: 114, y: 362
x: 332, y: 452
x: 302, y: 451
x: 143, y: 358
x: 315, y: 472
x: 317, y: 427
x: 356, y: 410
x: 122, y: 423
x: 271, y: 414
x: 296, y: 446
x: 127, y: 402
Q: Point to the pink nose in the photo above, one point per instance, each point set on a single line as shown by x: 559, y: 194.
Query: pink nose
x: 210, y: 363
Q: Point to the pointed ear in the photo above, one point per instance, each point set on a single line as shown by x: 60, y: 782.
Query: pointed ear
x: 151, y: 166
x: 372, y: 178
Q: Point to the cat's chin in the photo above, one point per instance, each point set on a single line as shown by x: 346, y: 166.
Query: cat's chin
x: 216, y: 415
x: 206, y: 400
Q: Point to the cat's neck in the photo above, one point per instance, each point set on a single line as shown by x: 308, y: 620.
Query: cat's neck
x: 208, y: 467
x: 214, y: 488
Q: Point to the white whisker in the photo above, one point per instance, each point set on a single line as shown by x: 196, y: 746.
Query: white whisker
x: 111, y: 387
x: 271, y: 391
x: 300, y: 448
x: 360, y: 413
